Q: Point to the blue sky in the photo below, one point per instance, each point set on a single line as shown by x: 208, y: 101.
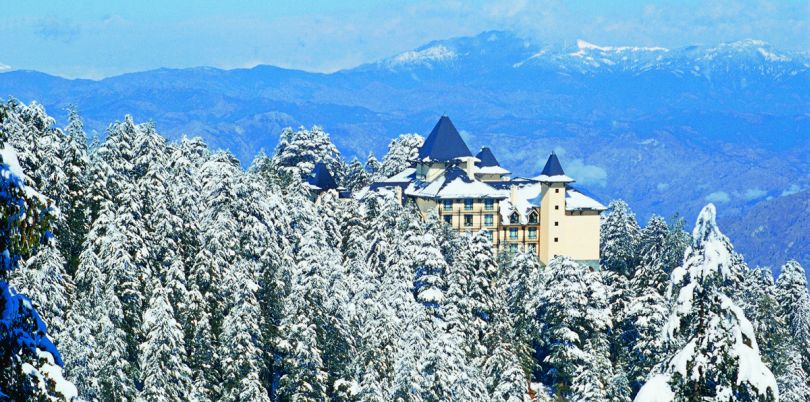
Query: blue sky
x: 95, y: 38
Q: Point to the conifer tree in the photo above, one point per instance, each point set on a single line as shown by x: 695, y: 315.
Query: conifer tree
x: 794, y: 302
x: 75, y: 223
x: 401, y: 151
x: 44, y: 280
x: 712, y: 348
x: 164, y: 373
x: 620, y: 235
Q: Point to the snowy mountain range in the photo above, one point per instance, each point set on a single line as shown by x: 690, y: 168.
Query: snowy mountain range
x: 665, y: 129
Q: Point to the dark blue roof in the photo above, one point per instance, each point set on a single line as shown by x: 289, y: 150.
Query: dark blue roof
x: 553, y: 167
x: 487, y: 158
x: 322, y: 178
x: 444, y: 143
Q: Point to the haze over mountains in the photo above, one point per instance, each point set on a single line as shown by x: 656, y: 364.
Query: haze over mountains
x: 665, y: 129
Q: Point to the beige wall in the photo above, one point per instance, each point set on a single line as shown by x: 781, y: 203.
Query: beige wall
x: 580, y: 236
x: 577, y: 233
x: 552, y: 209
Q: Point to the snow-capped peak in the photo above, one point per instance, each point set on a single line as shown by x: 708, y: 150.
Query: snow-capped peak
x: 433, y: 53
x: 584, y: 46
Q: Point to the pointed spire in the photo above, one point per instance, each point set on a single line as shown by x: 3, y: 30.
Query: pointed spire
x: 553, y: 167
x: 444, y: 143
x: 487, y: 158
x: 321, y: 178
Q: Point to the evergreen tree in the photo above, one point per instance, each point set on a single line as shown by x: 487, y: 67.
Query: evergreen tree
x: 164, y: 373
x: 75, y: 223
x: 299, y: 151
x: 620, y: 236
x: 241, y: 339
x: 43, y: 279
x: 401, y: 151
x: 574, y: 315
x: 356, y: 176
x: 712, y: 349
x: 794, y: 303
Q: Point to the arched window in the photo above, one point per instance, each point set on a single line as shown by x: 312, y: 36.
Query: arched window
x: 514, y: 218
x: 533, y: 217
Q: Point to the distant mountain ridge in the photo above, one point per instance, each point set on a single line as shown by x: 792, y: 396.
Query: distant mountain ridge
x: 666, y: 129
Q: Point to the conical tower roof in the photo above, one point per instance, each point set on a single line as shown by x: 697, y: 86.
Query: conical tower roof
x: 487, y: 158
x: 444, y: 143
x: 553, y: 167
x: 321, y: 178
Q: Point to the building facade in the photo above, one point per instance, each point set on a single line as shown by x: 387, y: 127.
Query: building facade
x: 546, y: 215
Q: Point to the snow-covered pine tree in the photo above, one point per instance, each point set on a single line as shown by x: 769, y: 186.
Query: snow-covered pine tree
x: 241, y: 341
x: 30, y: 365
x: 520, y: 282
x: 164, y: 373
x: 712, y: 348
x: 620, y: 235
x: 73, y: 208
x: 759, y: 302
x: 356, y: 176
x: 573, y: 313
x: 373, y: 168
x: 642, y: 320
x: 44, y: 280
x: 401, y: 151
x: 794, y: 302
x: 298, y: 152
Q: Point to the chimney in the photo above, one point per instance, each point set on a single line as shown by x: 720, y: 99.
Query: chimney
x: 469, y: 166
x: 513, y: 194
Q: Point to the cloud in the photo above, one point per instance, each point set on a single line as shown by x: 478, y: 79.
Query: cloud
x: 754, y: 194
x: 61, y: 30
x: 4, y: 67
x: 720, y: 197
x: 586, y: 174
x: 662, y: 186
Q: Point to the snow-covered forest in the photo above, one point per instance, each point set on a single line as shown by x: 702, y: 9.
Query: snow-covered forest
x: 175, y: 274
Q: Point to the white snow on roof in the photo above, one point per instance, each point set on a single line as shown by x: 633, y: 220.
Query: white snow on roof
x: 574, y: 201
x: 560, y: 178
x: 491, y: 170
x: 400, y: 177
x: 459, y: 188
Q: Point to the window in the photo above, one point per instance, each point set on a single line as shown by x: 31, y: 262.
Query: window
x: 514, y: 218
x: 468, y: 204
x: 533, y: 217
x: 556, y: 239
x: 513, y: 233
x: 489, y: 204
x: 513, y: 248
x: 488, y: 220
x: 556, y: 207
x: 448, y: 204
x: 488, y: 234
x: 448, y: 219
x: 468, y: 220
x: 533, y: 248
x: 557, y: 190
x: 556, y: 223
x: 532, y: 233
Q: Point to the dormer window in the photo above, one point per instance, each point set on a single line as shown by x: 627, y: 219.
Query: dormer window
x: 514, y: 218
x: 533, y: 217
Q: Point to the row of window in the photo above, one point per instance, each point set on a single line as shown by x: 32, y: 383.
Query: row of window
x: 489, y: 204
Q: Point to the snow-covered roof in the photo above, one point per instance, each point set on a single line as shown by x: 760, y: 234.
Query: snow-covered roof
x: 491, y: 170
x: 454, y: 183
x: 444, y: 143
x: 576, y: 200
